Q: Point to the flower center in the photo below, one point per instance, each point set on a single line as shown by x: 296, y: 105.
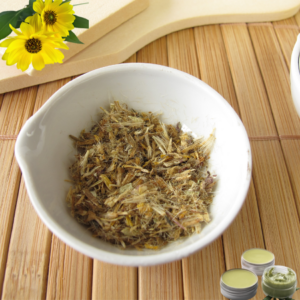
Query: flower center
x: 33, y: 45
x: 50, y: 17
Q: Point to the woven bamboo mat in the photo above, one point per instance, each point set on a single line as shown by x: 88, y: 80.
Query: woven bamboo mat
x: 246, y: 63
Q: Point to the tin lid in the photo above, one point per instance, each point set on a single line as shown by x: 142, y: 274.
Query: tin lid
x: 256, y: 260
x: 243, y: 288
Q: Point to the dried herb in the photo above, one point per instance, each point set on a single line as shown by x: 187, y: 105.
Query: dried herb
x: 138, y: 182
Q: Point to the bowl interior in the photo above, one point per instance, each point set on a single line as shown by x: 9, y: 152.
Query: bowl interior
x: 45, y: 152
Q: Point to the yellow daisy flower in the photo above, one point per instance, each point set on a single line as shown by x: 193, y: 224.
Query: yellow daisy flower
x: 32, y: 45
x: 56, y: 17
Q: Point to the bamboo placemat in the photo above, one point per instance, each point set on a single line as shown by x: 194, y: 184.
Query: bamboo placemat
x: 246, y: 63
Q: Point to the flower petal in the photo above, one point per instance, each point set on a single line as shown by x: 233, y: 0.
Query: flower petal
x: 14, y: 57
x: 61, y: 29
x: 38, y: 61
x: 65, y: 8
x: 27, y: 29
x: 35, y: 21
x: 17, y: 32
x: 38, y: 6
x: 65, y: 18
x: 7, y: 42
x: 16, y: 44
x: 24, y: 62
x: 53, y: 54
x: 48, y: 2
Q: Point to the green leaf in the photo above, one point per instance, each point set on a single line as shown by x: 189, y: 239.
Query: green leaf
x: 268, y: 298
x: 65, y: 2
x: 30, y: 6
x: 72, y: 38
x: 80, y: 4
x: 24, y: 13
x: 6, y: 18
x: 297, y: 288
x: 81, y: 22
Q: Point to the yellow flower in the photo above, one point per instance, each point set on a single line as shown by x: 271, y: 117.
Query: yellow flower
x: 32, y: 45
x: 56, y: 17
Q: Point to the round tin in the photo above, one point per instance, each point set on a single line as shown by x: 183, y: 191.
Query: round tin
x: 258, y: 261
x: 245, y: 292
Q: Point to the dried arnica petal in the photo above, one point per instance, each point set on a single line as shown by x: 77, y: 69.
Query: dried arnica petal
x: 138, y: 182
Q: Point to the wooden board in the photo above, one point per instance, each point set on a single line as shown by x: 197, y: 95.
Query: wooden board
x: 159, y: 19
x: 235, y: 59
x: 103, y: 16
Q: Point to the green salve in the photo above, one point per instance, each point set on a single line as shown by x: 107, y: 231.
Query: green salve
x: 258, y: 256
x: 279, y: 285
x: 239, y: 278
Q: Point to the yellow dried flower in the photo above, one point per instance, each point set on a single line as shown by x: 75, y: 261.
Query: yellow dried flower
x: 32, y: 45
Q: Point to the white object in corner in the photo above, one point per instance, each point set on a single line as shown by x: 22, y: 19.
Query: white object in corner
x: 295, y: 75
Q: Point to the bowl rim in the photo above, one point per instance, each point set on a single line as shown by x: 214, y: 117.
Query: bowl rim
x: 124, y: 259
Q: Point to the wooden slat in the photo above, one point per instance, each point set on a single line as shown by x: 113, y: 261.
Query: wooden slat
x: 287, y: 31
x: 112, y: 282
x: 182, y: 55
x: 70, y: 273
x: 9, y: 180
x: 131, y: 59
x: 276, y: 78
x: 161, y: 282
x: 297, y: 18
x: 165, y: 281
x: 154, y: 53
x: 1, y: 99
x: 15, y: 110
x: 214, y: 67
x: 292, y: 158
x: 27, y: 262
x: 244, y: 233
x: 182, y: 52
x: 277, y: 207
x: 252, y: 98
x: 28, y: 256
x: 202, y: 271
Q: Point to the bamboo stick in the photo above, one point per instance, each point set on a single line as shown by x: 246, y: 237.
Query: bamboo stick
x: 15, y: 110
x: 9, y: 179
x: 182, y: 55
x: 154, y: 53
x: 292, y: 158
x: 182, y: 52
x: 152, y: 282
x: 70, y: 273
x: 28, y: 256
x: 131, y: 59
x: 279, y: 218
x: 287, y: 31
x: 276, y: 78
x: 213, y: 62
x: 109, y: 281
x: 297, y: 18
x: 252, y: 97
x: 1, y: 99
x: 202, y: 272
x: 245, y: 232
x: 112, y: 282
x: 30, y: 242
x: 161, y: 282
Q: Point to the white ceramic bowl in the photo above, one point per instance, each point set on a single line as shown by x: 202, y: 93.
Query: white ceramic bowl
x: 44, y: 151
x: 295, y: 75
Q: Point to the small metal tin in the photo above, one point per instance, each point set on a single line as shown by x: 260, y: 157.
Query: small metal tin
x: 257, y: 268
